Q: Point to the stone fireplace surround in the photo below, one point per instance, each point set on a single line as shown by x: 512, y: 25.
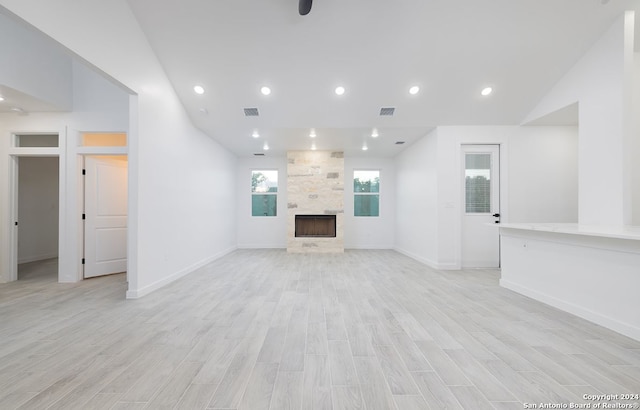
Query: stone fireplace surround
x: 315, y: 186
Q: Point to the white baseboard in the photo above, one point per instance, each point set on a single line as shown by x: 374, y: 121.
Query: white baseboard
x: 365, y: 247
x: 262, y: 246
x: 36, y: 258
x: 580, y: 311
x: 138, y: 293
x: 428, y: 262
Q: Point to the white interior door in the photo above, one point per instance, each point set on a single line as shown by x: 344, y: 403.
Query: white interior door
x: 481, y: 206
x: 105, y: 238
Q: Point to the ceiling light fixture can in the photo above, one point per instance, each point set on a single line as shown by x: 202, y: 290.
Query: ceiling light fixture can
x: 364, y: 148
x: 312, y: 133
x: 1, y: 98
x: 265, y: 147
x: 414, y: 90
x: 374, y: 133
x: 486, y: 91
x: 198, y: 89
x: 265, y: 90
x: 255, y: 134
x: 340, y: 90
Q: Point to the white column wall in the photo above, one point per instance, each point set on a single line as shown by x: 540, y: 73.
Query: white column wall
x: 417, y: 208
x: 635, y: 144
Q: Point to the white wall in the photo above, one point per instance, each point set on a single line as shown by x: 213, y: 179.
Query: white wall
x: 538, y: 184
x: 98, y: 105
x: 370, y: 232
x: 359, y: 233
x: 416, y: 232
x: 261, y: 231
x: 599, y: 81
x: 97, y: 99
x: 543, y: 174
x: 37, y: 209
x: 450, y: 140
x: 182, y: 184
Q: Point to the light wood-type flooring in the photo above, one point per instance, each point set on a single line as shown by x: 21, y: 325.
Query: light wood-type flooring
x: 263, y: 329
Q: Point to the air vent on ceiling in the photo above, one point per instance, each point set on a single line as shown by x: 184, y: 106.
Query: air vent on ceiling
x: 259, y: 154
x: 251, y: 112
x: 399, y: 142
x: 387, y: 110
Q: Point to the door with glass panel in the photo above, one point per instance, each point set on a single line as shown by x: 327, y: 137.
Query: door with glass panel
x: 481, y: 206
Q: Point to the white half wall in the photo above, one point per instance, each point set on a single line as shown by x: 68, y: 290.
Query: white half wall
x: 37, y: 208
x: 593, y: 277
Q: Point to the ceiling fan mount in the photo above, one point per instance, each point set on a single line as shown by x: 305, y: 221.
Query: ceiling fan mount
x: 304, y: 7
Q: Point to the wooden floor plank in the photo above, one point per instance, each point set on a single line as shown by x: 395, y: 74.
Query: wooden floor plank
x: 268, y: 329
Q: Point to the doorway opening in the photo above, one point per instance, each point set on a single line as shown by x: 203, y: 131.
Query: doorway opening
x: 38, y: 199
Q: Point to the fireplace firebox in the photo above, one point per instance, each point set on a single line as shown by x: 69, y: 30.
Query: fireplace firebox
x: 315, y: 226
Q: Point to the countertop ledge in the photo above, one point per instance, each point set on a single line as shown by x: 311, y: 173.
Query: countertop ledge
x: 603, y: 231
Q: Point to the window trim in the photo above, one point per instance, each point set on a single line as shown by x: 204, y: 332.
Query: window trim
x: 254, y: 193
x: 378, y: 193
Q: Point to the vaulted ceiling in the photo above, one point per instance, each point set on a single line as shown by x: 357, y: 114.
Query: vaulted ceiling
x: 376, y: 50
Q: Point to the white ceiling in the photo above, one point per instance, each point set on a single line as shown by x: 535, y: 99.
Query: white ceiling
x: 376, y: 49
x: 20, y: 103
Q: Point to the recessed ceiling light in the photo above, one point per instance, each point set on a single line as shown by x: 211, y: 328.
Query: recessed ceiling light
x: 198, y: 89
x: 265, y: 90
x: 340, y: 90
x: 265, y: 147
x: 414, y: 90
x: 255, y: 134
x: 364, y: 147
x: 313, y: 147
x: 1, y: 98
x: 486, y: 91
x: 312, y: 133
x: 374, y: 133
